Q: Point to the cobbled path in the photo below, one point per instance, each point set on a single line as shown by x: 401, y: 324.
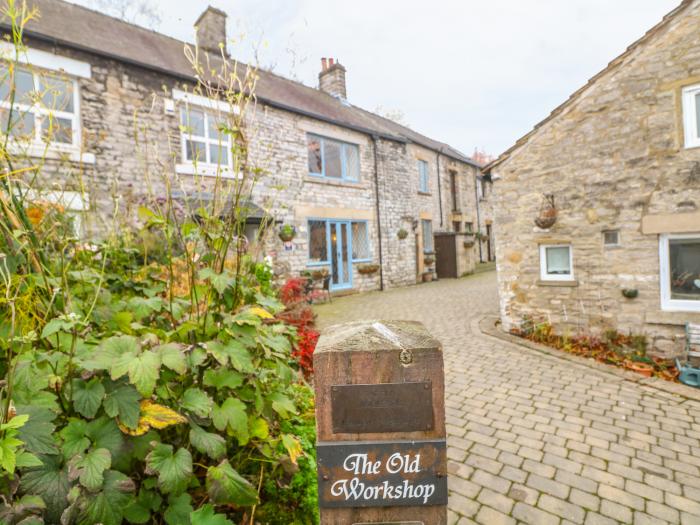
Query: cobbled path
x: 540, y: 440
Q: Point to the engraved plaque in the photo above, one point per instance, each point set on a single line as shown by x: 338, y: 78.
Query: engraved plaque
x: 387, y: 407
x: 382, y: 474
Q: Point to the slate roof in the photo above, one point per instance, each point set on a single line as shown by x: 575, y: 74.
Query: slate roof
x: 81, y: 28
x: 576, y: 95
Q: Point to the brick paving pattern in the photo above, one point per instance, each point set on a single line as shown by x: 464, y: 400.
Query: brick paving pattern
x: 540, y: 440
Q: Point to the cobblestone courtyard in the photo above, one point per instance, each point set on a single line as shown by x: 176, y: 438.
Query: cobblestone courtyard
x: 541, y: 440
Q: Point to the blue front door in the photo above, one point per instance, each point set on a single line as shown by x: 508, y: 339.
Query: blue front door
x: 341, y: 248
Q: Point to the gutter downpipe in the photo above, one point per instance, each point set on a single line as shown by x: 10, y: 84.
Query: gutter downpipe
x: 375, y: 139
x: 478, y: 213
x: 439, y: 186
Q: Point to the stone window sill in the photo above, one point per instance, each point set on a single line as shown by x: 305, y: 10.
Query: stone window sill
x: 339, y: 183
x: 425, y: 193
x: 53, y: 152
x: 559, y: 284
x: 672, y: 318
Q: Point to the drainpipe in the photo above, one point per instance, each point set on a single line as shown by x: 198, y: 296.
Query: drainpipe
x: 478, y: 213
x: 439, y: 185
x: 375, y: 139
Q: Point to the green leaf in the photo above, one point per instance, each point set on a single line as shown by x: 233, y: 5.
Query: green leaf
x: 87, y: 396
x: 220, y: 281
x: 107, y: 506
x: 92, y: 468
x: 179, y: 510
x: 259, y: 428
x: 213, y: 445
x: 282, y: 404
x: 50, y: 481
x: 15, y: 423
x: 54, y: 326
x: 140, y: 508
x: 172, y: 355
x: 38, y: 432
x: 240, y: 357
x: 205, y: 515
x: 143, y: 306
x: 8, y: 453
x: 75, y: 440
x: 232, y: 417
x: 222, y: 379
x: 225, y: 486
x: 123, y: 402
x: 104, y: 433
x: 174, y: 470
x: 217, y: 350
x: 144, y: 371
x: 27, y: 459
x: 197, y: 402
x: 114, y: 354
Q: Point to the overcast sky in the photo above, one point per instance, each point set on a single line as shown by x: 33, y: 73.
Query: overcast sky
x: 472, y: 73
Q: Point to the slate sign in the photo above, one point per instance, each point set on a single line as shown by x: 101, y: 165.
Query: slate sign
x: 384, y: 407
x: 382, y: 474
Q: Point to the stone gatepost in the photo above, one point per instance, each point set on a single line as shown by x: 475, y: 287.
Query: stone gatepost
x: 380, y: 421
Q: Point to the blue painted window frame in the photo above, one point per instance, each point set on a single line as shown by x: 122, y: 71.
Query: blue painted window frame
x: 328, y: 222
x: 423, y: 176
x: 343, y: 158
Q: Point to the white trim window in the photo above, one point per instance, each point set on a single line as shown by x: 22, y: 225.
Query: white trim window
x: 691, y: 116
x: 556, y: 262
x: 679, y: 257
x: 205, y: 145
x: 46, y: 108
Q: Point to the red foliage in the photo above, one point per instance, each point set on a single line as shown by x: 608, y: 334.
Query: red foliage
x: 294, y: 295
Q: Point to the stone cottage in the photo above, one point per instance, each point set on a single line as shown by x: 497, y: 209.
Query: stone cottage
x: 598, y: 208
x: 359, y: 189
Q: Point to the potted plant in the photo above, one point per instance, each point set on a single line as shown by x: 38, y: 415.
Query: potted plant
x: 630, y: 293
x: 548, y: 213
x: 427, y: 277
x: 646, y: 369
x: 318, y: 275
x: 402, y: 234
x: 429, y: 259
x: 368, y: 269
x: 469, y: 239
x: 287, y: 232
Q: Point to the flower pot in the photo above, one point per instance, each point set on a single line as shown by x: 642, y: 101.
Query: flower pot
x: 548, y: 213
x: 630, y: 293
x: 428, y: 260
x: 287, y: 233
x: 317, y: 275
x: 368, y: 269
x: 645, y: 369
x: 427, y: 277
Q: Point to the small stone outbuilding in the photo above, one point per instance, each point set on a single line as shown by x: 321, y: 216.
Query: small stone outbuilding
x: 619, y: 161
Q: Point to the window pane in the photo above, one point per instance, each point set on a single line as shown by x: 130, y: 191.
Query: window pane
x: 215, y: 127
x: 427, y: 235
x: 611, y: 238
x: 558, y: 260
x: 318, y: 249
x: 352, y: 162
x: 22, y: 124
x: 193, y: 121
x: 423, y: 176
x: 56, y: 93
x: 57, y: 129
x: 314, y: 149
x: 195, y: 151
x: 360, y: 241
x: 218, y: 154
x: 24, y: 85
x: 685, y: 269
x: 331, y: 152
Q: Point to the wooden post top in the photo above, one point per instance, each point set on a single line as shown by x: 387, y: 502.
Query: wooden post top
x: 377, y: 336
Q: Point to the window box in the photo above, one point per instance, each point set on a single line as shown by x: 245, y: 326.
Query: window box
x: 679, y: 258
x: 691, y: 116
x: 556, y: 262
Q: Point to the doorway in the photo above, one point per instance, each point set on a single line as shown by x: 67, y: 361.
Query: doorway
x: 340, y: 242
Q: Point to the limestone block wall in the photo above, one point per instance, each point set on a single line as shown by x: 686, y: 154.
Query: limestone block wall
x: 611, y: 158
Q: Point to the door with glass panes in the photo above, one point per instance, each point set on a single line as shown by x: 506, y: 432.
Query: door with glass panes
x: 340, y: 254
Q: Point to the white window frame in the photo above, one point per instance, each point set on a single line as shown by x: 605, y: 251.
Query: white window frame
x: 210, y: 108
x: 544, y: 276
x: 691, y: 126
x: 668, y: 304
x: 41, y: 112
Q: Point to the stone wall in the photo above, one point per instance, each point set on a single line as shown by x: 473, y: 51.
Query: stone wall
x: 131, y: 129
x: 613, y: 156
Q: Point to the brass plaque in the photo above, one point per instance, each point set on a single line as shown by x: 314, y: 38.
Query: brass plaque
x: 382, y: 473
x: 386, y: 407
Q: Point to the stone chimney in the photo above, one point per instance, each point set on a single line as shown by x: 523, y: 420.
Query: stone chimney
x: 211, y: 29
x: 332, y: 78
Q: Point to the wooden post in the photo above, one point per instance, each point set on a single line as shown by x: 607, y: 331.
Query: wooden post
x: 380, y: 421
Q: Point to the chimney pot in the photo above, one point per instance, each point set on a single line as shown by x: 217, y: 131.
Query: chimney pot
x: 324, y: 64
x: 210, y: 28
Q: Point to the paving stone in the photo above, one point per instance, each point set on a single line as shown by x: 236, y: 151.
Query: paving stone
x: 546, y: 471
x: 584, y: 499
x: 489, y: 516
x: 620, y: 496
x: 641, y: 518
x: 463, y: 506
x: 579, y: 482
x: 463, y: 487
x: 547, y: 486
x: 663, y: 512
x: 593, y: 518
x: 561, y: 508
x: 496, y: 501
x: 519, y: 492
x: 528, y: 514
x: 490, y: 481
x: 616, y: 511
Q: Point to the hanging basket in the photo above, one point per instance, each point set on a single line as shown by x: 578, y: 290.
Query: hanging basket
x: 548, y: 213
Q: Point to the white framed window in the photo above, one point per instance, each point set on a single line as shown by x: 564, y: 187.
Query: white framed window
x: 556, y: 262
x: 691, y: 116
x: 679, y: 258
x: 206, y: 147
x: 45, y: 108
x: 611, y: 238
